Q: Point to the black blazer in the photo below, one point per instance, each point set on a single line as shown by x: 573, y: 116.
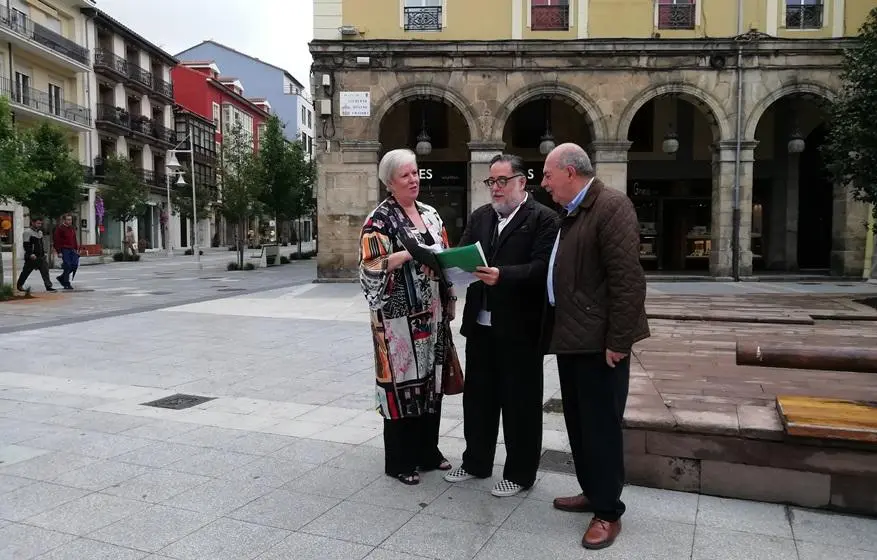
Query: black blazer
x: 521, y: 252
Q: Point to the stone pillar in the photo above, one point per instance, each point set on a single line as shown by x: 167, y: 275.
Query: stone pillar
x: 347, y: 190
x: 782, y: 226
x: 791, y: 212
x: 479, y: 169
x: 849, y: 232
x: 610, y: 162
x: 722, y: 229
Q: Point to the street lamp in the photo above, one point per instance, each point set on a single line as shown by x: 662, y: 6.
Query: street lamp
x: 174, y: 167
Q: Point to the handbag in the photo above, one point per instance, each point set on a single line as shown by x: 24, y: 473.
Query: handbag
x: 452, y: 372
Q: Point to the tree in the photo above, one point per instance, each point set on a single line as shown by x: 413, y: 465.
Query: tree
x: 181, y: 198
x: 58, y: 195
x: 18, y: 177
x: 302, y: 170
x: 851, y: 147
x: 274, y: 157
x: 126, y: 195
x: 242, y: 185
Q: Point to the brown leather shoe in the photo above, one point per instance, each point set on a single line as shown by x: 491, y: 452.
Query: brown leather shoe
x: 575, y: 504
x: 601, y: 534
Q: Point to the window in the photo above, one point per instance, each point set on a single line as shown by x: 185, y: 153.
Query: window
x: 677, y: 14
x: 217, y: 118
x: 423, y: 15
x: 53, y: 23
x: 304, y: 115
x: 304, y: 139
x: 22, y: 88
x: 310, y: 146
x: 804, y: 14
x: 55, y: 99
x: 549, y: 15
x: 310, y: 122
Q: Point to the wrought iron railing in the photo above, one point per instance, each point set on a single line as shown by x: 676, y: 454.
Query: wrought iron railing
x: 804, y: 16
x: 164, y: 133
x: 44, y: 103
x: 114, y: 115
x: 549, y: 18
x: 139, y: 75
x: 423, y: 18
x: 162, y: 87
x: 106, y: 59
x: 23, y: 25
x: 676, y: 16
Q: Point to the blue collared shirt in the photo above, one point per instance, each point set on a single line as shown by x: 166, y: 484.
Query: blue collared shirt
x: 569, y: 208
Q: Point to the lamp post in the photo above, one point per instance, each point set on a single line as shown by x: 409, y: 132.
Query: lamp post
x: 174, y: 166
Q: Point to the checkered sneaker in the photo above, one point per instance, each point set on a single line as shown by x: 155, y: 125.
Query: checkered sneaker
x: 505, y: 488
x: 458, y: 475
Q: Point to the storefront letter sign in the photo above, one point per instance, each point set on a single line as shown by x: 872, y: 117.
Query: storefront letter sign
x: 355, y: 104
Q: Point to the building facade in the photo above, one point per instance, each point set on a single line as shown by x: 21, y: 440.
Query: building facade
x: 201, y: 89
x: 288, y: 98
x: 709, y: 114
x: 45, y: 63
x: 133, y: 98
x: 199, y: 159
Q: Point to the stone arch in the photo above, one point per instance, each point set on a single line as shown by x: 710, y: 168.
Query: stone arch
x: 569, y: 94
x: 709, y: 106
x: 806, y: 88
x: 432, y: 91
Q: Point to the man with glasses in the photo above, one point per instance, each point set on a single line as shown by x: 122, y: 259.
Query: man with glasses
x: 501, y: 323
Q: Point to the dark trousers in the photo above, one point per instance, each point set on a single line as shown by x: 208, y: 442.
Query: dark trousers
x: 412, y: 442
x: 69, y: 263
x: 594, y: 396
x: 34, y: 264
x: 507, y: 378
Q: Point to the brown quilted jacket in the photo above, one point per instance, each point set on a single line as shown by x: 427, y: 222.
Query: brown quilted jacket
x: 599, y: 283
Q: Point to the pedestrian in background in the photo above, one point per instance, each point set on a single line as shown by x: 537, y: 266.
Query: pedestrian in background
x: 34, y: 255
x: 66, y: 246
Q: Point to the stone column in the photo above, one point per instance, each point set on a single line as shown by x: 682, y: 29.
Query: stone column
x: 849, y: 233
x: 791, y: 212
x: 347, y: 190
x: 722, y: 229
x: 479, y: 169
x: 610, y: 162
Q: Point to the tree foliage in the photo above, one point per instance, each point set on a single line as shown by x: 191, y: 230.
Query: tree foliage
x: 851, y: 147
x: 126, y: 195
x: 242, y: 181
x: 60, y: 193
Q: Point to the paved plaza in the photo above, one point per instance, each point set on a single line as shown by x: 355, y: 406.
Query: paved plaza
x: 286, y: 461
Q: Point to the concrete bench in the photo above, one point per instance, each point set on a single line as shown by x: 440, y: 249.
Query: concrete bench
x: 268, y: 255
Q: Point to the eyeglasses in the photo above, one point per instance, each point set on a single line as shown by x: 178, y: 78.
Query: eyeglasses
x: 501, y: 181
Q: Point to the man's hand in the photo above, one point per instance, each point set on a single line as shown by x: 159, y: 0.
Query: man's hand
x: 487, y: 274
x: 451, y: 311
x: 613, y: 358
x: 33, y: 257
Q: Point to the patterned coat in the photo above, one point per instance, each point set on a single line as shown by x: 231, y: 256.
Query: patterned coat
x: 409, y: 326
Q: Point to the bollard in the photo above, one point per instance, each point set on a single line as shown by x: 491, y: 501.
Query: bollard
x: 829, y: 358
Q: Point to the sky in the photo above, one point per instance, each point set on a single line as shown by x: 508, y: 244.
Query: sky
x: 276, y: 31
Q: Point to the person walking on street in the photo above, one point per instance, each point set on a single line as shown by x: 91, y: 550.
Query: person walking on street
x: 67, y: 248
x: 130, y: 242
x: 34, y: 255
x: 501, y: 323
x: 596, y: 312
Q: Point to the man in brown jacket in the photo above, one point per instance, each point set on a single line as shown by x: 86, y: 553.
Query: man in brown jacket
x: 596, y: 312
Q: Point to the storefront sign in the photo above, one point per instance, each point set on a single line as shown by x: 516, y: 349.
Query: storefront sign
x: 355, y: 103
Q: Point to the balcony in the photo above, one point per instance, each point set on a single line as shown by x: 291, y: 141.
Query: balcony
x: 806, y: 16
x: 423, y: 18
x: 30, y: 101
x: 549, y: 18
x: 139, y: 77
x: 163, y: 133
x: 107, y: 62
x: 39, y: 39
x: 676, y: 16
x: 163, y: 88
x: 116, y: 117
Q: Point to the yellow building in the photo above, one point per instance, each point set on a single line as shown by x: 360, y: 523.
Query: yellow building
x: 708, y: 113
x: 44, y: 68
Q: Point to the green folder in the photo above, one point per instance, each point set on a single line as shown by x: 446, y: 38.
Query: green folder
x: 465, y: 258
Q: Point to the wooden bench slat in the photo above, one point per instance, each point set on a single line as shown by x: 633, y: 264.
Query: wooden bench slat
x: 828, y: 418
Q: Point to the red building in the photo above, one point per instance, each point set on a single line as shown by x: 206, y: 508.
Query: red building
x: 199, y: 87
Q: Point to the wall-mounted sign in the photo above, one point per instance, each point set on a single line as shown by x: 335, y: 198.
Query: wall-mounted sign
x: 355, y: 104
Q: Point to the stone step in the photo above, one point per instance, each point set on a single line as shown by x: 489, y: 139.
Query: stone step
x: 822, y: 418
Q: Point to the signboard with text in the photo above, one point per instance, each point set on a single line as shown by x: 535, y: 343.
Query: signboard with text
x: 355, y: 103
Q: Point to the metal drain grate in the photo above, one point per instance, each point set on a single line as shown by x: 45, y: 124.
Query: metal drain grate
x: 553, y: 405
x: 557, y: 461
x: 179, y: 401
